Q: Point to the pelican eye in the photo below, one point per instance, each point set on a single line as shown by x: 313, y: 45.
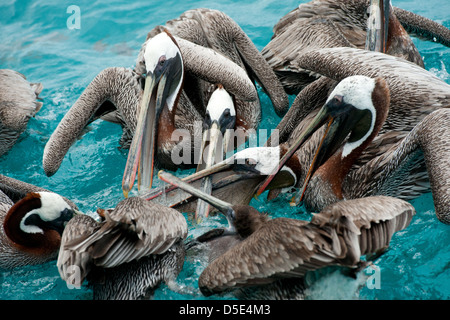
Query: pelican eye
x: 338, y: 99
x: 162, y: 60
x: 207, y: 121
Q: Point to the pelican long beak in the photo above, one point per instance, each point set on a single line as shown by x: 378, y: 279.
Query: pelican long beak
x: 378, y: 25
x: 220, y: 116
x: 341, y: 119
x: 223, y: 165
x: 141, y: 156
x: 141, y: 153
x: 211, y: 154
x: 223, y: 206
x: 246, y: 164
x: 316, y: 123
x: 212, y: 148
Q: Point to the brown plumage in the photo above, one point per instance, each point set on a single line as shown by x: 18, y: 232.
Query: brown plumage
x: 326, y: 24
x: 288, y: 248
x: 414, y: 91
x: 137, y: 246
x: 19, y: 101
x: 211, y: 55
x: 399, y: 163
x: 262, y: 255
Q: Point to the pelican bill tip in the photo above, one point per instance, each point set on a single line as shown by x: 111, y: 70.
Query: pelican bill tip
x: 256, y: 196
x: 294, y: 201
x: 259, y: 192
x: 198, y: 220
x: 162, y: 176
x: 165, y: 176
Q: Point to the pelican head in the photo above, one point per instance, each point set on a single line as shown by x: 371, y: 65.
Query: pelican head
x: 219, y: 118
x: 353, y: 113
x: 163, y: 82
x: 39, y: 213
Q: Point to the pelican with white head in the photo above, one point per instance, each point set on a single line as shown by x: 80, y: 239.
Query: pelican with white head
x: 163, y: 83
x: 220, y: 120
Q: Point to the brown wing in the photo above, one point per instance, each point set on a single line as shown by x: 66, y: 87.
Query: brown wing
x: 374, y: 220
x: 73, y: 265
x: 290, y: 248
x: 134, y: 229
x: 417, y: 164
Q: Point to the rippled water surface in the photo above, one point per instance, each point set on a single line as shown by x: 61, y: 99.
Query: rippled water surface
x: 35, y: 41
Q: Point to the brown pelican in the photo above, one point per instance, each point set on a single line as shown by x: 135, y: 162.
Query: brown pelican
x: 177, y: 67
x: 220, y: 120
x: 408, y: 83
x: 344, y: 23
x: 234, y: 179
x: 274, y: 255
x: 414, y: 94
x: 31, y: 228
x: 353, y: 116
x: 137, y: 246
x: 18, y: 103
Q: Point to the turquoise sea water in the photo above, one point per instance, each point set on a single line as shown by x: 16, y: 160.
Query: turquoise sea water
x: 35, y: 40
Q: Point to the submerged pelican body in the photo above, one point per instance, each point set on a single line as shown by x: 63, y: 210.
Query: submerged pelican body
x: 19, y: 101
x: 178, y: 67
x: 268, y: 259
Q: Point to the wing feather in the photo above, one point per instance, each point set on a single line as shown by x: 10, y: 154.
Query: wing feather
x: 134, y: 229
x: 289, y: 248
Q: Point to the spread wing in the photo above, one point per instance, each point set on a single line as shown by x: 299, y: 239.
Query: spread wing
x: 134, y: 229
x: 286, y: 248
